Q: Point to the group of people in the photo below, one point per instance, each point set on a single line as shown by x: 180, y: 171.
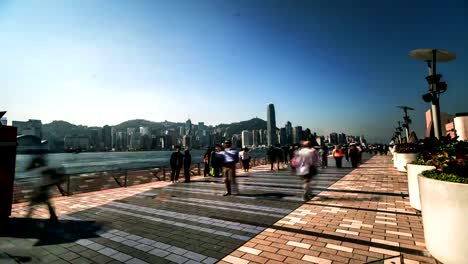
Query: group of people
x: 304, y: 159
x: 353, y: 153
x: 221, y: 159
x: 178, y: 161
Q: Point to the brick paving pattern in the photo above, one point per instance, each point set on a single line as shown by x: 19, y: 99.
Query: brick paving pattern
x: 356, y: 216
x: 363, y: 217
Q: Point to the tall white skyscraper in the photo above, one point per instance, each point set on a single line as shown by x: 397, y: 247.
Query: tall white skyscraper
x: 246, y: 138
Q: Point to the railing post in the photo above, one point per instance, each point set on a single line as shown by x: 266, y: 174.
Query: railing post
x: 68, y: 185
x: 125, y: 181
x: 198, y: 167
x: 164, y: 173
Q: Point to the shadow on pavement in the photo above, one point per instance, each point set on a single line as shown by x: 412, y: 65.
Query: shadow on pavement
x: 49, y: 233
x: 353, y: 199
x: 272, y: 195
x: 11, y: 258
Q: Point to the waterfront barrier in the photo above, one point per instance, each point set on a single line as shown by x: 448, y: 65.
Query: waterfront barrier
x: 109, y: 179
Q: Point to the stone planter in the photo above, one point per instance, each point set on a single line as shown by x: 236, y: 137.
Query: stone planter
x: 405, y: 158
x: 413, y: 186
x: 445, y: 214
x: 395, y: 160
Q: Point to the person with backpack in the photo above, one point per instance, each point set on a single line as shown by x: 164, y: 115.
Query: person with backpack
x: 306, y: 160
x: 338, y: 155
x: 230, y: 159
x: 216, y: 161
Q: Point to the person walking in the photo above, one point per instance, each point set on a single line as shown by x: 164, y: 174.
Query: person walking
x: 187, y: 163
x: 176, y: 162
x: 291, y: 151
x: 338, y: 155
x: 48, y: 178
x: 345, y: 152
x: 285, y: 155
x: 324, y: 156
x: 216, y: 160
x: 354, y: 155
x: 271, y: 155
x: 230, y: 159
x: 245, y: 159
x: 206, y: 162
x: 307, y: 160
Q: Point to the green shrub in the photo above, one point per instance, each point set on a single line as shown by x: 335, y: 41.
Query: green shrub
x: 450, y: 177
x: 422, y: 162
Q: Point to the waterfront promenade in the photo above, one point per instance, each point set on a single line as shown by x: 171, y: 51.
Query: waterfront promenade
x: 356, y: 216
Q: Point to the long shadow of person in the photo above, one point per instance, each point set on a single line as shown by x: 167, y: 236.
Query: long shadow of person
x: 48, y: 233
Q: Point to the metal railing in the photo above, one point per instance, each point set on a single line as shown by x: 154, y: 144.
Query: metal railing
x: 74, y: 182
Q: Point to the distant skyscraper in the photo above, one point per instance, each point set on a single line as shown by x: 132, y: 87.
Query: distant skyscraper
x: 289, y: 132
x: 307, y: 134
x: 271, y: 125
x: 31, y: 127
x: 297, y: 134
x: 255, y: 137
x: 342, y: 139
x: 107, y: 137
x: 188, y: 127
x: 282, y: 136
x: 334, y: 138
x: 246, y: 137
x: 145, y: 131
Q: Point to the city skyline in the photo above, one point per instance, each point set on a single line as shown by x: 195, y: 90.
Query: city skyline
x: 330, y: 66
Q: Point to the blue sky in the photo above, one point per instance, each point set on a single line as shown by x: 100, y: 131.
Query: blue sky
x: 328, y: 65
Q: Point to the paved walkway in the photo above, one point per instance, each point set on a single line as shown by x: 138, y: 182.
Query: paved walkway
x: 356, y: 216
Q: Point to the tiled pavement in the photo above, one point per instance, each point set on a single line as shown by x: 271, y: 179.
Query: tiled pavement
x: 357, y: 216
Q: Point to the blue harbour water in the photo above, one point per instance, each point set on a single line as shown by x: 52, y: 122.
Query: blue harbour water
x: 88, y: 162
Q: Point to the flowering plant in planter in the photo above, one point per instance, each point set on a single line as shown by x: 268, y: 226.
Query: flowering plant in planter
x: 408, y: 148
x: 451, y: 162
x: 430, y: 148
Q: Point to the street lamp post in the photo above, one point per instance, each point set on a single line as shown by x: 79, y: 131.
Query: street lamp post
x: 407, y: 120
x: 436, y: 87
x: 398, y: 132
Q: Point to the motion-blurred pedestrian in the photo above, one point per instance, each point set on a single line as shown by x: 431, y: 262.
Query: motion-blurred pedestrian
x: 48, y: 178
x: 230, y: 159
x: 206, y: 162
x: 187, y: 164
x: 176, y: 162
x: 354, y: 155
x: 307, y: 160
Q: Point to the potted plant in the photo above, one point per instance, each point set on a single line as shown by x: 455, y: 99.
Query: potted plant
x: 444, y: 203
x: 406, y: 153
x: 429, y: 148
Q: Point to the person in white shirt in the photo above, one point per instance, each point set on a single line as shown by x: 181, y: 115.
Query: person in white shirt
x: 245, y: 158
x: 307, y: 160
x: 230, y: 158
